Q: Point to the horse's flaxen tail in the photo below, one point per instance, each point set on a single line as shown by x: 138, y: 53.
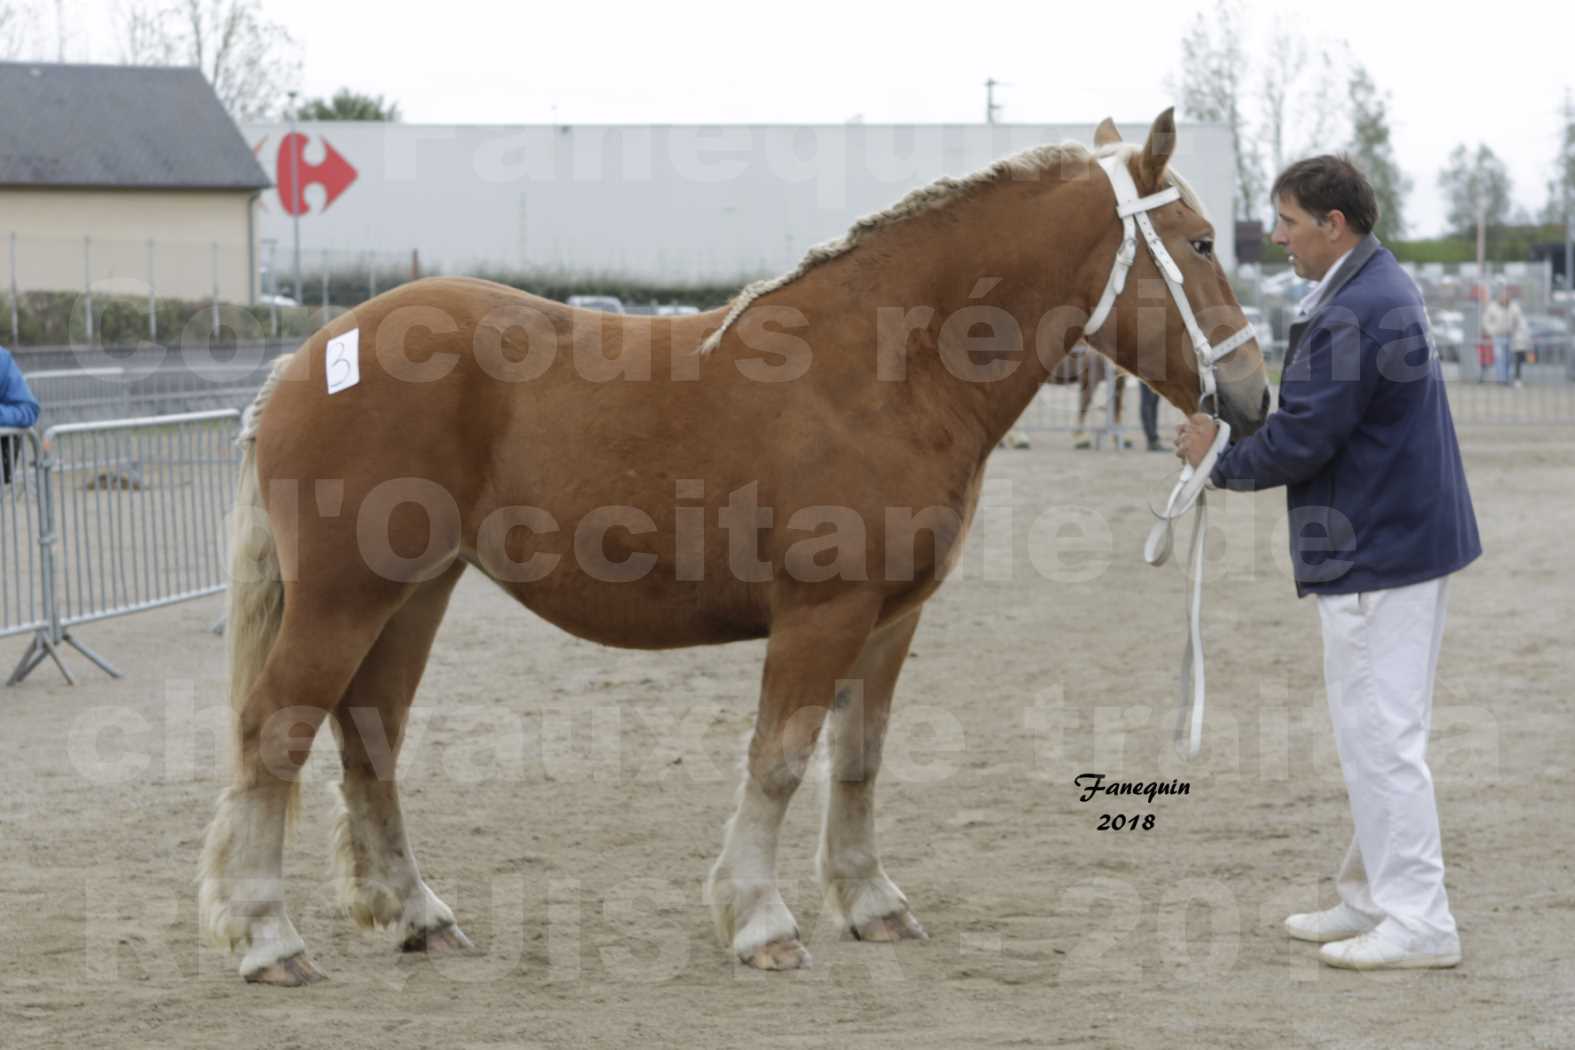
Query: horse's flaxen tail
x: 256, y: 589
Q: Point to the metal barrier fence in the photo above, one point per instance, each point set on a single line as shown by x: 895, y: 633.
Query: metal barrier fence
x: 23, y: 602
x: 126, y: 382
x: 128, y: 515
x: 1545, y: 396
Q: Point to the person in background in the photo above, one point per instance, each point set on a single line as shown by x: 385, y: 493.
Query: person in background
x: 1148, y: 410
x: 1499, y: 322
x: 18, y: 409
x: 1520, y: 342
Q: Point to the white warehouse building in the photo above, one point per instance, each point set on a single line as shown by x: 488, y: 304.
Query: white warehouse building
x: 672, y: 205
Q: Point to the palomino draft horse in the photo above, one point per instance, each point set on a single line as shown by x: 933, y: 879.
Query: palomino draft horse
x: 829, y: 431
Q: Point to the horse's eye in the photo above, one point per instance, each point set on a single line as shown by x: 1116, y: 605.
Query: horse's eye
x: 1204, y: 248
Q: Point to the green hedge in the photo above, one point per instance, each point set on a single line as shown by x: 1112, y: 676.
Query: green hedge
x: 59, y: 318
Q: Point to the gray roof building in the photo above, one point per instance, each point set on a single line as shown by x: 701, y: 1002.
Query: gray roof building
x: 125, y: 127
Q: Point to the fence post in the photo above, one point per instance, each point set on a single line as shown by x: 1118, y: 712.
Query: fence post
x: 325, y: 290
x: 153, y: 310
x: 87, y: 281
x: 215, y: 254
x: 273, y: 293
x: 16, y: 337
x: 371, y: 278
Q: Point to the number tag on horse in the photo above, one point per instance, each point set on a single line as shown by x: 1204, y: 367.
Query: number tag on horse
x: 344, y: 361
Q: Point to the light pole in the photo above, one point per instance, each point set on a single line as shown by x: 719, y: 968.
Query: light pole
x: 295, y: 195
x: 1569, y: 242
x: 991, y: 107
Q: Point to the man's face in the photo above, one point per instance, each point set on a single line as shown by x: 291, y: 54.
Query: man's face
x: 1311, y: 243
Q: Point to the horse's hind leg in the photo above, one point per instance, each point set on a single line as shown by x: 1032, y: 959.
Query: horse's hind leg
x: 374, y: 867
x: 810, y: 649
x: 848, y: 863
x: 322, y: 639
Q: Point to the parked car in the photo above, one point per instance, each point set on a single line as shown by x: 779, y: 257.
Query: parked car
x: 1287, y: 285
x: 280, y: 301
x: 1550, y: 339
x: 1265, y: 333
x: 676, y: 309
x: 1449, y: 333
x: 609, y: 304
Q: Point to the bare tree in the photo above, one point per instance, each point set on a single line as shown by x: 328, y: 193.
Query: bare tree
x: 145, y: 36
x: 250, y: 61
x: 18, y: 26
x: 1303, y: 105
x: 1561, y: 187
x: 1287, y: 54
x: 1323, y: 105
x: 1212, y: 85
x: 1374, y: 153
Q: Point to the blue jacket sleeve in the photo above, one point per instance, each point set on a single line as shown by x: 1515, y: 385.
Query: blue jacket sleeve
x: 18, y: 406
x: 1323, y: 396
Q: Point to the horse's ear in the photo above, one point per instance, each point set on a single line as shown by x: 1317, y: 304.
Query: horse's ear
x: 1106, y: 133
x: 1158, y: 149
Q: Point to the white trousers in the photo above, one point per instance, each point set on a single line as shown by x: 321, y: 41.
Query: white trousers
x: 1380, y: 658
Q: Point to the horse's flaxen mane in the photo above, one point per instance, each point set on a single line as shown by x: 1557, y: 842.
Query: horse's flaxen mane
x: 938, y: 194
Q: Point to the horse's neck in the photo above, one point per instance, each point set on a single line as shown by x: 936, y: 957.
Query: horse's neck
x: 976, y: 270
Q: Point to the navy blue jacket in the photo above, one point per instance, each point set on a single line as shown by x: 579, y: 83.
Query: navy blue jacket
x: 1363, y: 440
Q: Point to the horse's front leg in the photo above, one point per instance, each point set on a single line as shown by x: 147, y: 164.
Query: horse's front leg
x: 810, y: 648
x: 848, y: 863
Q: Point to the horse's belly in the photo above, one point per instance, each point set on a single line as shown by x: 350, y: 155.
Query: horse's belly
x: 630, y: 615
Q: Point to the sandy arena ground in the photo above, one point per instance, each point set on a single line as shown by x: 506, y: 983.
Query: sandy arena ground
x: 567, y: 801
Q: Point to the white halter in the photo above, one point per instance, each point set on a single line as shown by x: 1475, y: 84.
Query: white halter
x: 1133, y: 211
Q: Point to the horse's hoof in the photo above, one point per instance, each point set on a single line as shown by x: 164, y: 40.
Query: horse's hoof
x: 444, y: 940
x: 786, y: 954
x: 294, y: 972
x: 898, y: 926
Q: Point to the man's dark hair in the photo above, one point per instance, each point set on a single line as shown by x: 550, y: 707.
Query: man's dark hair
x: 1329, y: 183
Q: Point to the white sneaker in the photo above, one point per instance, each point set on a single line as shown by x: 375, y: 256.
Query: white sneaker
x: 1334, y: 924
x: 1374, y: 951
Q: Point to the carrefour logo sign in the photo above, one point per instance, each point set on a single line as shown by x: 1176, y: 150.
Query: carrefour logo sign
x: 293, y: 173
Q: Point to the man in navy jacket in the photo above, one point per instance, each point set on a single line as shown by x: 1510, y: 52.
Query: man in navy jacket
x: 1380, y: 516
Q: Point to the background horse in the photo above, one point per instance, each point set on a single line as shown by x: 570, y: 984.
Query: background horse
x: 801, y: 468
x: 1088, y: 369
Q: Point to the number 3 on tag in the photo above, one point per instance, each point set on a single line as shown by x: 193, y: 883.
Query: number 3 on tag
x: 344, y: 361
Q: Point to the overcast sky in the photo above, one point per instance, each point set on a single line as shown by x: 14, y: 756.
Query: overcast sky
x: 1454, y: 73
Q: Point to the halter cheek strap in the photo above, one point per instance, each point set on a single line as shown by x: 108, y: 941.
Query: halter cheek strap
x: 1188, y: 493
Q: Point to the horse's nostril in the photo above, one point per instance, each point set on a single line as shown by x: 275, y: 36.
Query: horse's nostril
x: 1265, y: 409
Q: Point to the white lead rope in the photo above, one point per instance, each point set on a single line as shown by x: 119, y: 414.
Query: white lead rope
x: 1187, y: 494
